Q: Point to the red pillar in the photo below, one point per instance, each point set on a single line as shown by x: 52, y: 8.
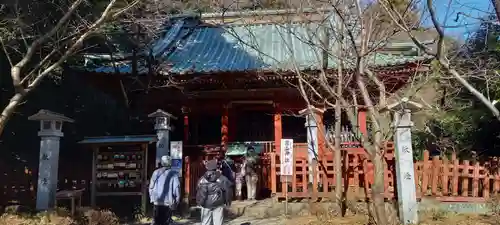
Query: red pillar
x: 186, y: 128
x: 185, y: 112
x: 278, y: 134
x: 278, y: 130
x: 232, y: 124
x: 318, y: 114
x: 362, y: 121
x: 224, y: 128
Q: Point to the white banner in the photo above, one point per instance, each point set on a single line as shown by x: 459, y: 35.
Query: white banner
x: 286, y: 157
x: 176, y: 154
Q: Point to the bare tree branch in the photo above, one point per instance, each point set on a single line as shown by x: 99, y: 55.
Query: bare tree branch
x: 27, y: 76
x: 440, y: 55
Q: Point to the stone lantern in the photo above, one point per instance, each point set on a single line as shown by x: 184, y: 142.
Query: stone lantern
x: 405, y: 173
x: 50, y: 133
x: 312, y: 114
x: 163, y: 128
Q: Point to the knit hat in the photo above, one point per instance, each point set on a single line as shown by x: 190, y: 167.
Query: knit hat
x: 211, y: 165
x: 166, y: 161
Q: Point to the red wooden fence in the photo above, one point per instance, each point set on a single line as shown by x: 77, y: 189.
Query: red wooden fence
x: 456, y: 180
x: 446, y: 179
x: 443, y: 178
x: 357, y: 172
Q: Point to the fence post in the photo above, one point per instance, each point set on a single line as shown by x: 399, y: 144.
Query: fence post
x: 446, y: 176
x: 496, y: 179
x: 475, y: 180
x: 325, y: 174
x: 315, y: 181
x: 273, y: 173
x: 465, y: 178
x: 386, y: 180
x: 435, y: 174
x: 187, y: 180
x: 496, y: 176
x: 425, y: 173
x: 355, y: 185
x: 293, y: 181
x: 486, y: 183
x: 305, y: 180
x: 418, y: 176
x: 455, y: 174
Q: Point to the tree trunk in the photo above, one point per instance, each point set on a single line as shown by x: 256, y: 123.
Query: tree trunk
x: 338, y: 157
x: 496, y: 5
x: 8, y: 111
x: 378, y: 189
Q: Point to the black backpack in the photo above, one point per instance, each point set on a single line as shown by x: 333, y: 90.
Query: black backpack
x: 218, y: 191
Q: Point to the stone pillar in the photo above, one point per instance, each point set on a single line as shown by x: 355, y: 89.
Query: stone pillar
x: 50, y: 134
x: 312, y: 125
x: 405, y: 173
x: 162, y: 127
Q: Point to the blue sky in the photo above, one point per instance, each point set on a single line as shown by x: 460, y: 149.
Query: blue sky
x: 450, y: 8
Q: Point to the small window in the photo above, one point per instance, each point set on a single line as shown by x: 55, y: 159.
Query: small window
x: 58, y: 125
x: 46, y: 125
x: 162, y: 121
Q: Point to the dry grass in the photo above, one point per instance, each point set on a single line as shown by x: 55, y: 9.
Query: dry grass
x: 58, y: 217
x: 427, y: 218
x: 61, y: 217
x: 328, y: 215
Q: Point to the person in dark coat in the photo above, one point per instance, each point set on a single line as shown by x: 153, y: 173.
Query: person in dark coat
x: 214, y: 192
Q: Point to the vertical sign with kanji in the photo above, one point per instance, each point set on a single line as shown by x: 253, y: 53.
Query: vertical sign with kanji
x: 47, y: 172
x: 162, y: 145
x: 286, y: 167
x: 405, y: 174
x: 176, y: 154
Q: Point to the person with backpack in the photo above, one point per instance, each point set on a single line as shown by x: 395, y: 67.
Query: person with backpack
x: 213, y: 194
x: 164, y: 192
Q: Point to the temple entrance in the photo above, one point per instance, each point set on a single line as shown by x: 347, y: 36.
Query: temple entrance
x: 254, y: 126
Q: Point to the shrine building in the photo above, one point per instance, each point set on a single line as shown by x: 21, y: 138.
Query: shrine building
x: 231, y: 82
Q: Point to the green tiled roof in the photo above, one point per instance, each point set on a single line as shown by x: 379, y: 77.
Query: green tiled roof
x: 189, y: 46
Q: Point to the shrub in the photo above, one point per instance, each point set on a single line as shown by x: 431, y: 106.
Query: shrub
x: 56, y: 217
x: 99, y: 217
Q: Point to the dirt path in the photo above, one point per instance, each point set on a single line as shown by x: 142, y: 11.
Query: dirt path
x: 244, y: 221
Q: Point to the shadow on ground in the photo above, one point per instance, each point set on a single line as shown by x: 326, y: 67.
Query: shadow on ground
x: 193, y: 216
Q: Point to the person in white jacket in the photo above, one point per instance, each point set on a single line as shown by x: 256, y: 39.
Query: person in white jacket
x: 164, y: 192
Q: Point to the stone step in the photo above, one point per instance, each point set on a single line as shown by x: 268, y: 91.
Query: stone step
x: 237, y: 209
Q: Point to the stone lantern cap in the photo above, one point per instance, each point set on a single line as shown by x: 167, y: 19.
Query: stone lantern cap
x: 310, y: 113
x: 310, y: 109
x: 161, y: 113
x: 50, y: 122
x: 403, y: 104
x: 44, y: 114
x: 402, y: 110
x: 162, y: 119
